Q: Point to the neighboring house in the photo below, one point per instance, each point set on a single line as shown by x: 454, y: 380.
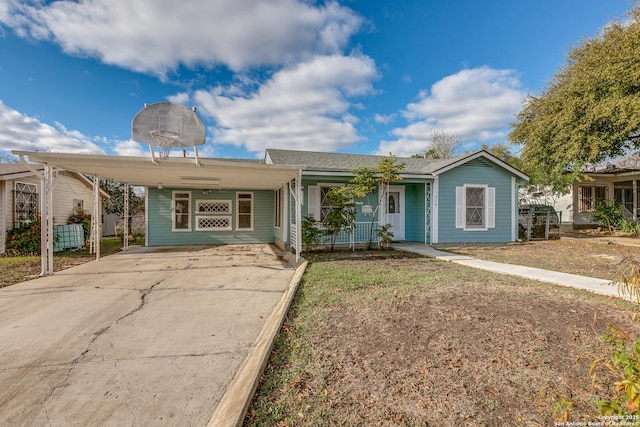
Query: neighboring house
x: 223, y: 201
x: 618, y: 180
x: 20, y: 196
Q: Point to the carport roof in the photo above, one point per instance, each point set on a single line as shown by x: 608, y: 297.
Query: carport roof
x: 171, y: 172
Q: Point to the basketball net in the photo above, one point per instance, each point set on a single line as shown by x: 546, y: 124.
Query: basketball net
x: 164, y: 140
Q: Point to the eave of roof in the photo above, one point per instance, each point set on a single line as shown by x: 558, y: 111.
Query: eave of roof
x: 172, y: 172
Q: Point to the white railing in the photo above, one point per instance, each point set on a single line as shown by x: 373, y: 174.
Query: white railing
x: 359, y: 235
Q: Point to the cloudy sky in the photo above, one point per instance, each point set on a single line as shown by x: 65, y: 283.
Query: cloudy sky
x: 360, y: 76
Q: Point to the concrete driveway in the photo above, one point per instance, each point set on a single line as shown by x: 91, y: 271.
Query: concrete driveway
x: 148, y: 337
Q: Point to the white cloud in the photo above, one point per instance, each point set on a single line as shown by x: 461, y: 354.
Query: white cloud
x: 20, y: 132
x: 305, y: 106
x: 155, y: 36
x: 131, y: 148
x: 477, y: 104
x: 384, y: 119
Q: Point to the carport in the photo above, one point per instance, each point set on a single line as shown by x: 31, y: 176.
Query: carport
x: 151, y: 336
x: 147, y: 172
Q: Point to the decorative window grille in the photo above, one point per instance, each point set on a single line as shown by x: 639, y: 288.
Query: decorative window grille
x: 475, y: 207
x: 213, y: 206
x: 210, y: 222
x: 25, y: 203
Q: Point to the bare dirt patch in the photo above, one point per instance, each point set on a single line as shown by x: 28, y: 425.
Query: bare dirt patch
x: 582, y: 257
x: 413, y: 341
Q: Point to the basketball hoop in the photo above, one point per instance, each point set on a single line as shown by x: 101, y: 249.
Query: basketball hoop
x: 164, y: 140
x: 166, y: 125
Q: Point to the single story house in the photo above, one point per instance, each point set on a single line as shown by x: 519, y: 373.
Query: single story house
x: 473, y: 198
x: 20, y: 196
x: 617, y: 180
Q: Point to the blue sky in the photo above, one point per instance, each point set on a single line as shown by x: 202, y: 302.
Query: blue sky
x: 358, y: 76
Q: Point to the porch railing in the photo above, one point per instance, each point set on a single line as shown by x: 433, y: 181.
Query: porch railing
x: 359, y: 235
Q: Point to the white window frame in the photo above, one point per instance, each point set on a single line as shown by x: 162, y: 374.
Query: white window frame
x: 278, y: 208
x: 36, y: 205
x: 589, y: 205
x: 238, y: 213
x: 173, y: 211
x: 201, y: 202
x: 227, y: 217
x: 489, y: 207
x: 315, y: 192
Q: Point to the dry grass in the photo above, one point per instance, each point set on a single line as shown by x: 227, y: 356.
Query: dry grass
x: 411, y: 341
x: 19, y: 269
x: 583, y: 257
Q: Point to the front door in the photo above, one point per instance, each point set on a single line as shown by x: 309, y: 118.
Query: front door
x: 395, y: 211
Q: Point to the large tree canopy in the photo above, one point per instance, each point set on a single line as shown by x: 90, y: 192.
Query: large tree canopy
x: 590, y: 111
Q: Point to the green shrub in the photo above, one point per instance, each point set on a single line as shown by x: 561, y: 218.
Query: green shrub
x: 311, y: 233
x: 385, y: 235
x: 624, y: 365
x: 608, y: 213
x: 84, y: 219
x: 24, y: 240
x: 629, y: 226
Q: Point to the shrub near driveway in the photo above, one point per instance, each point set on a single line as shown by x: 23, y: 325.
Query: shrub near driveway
x: 399, y: 340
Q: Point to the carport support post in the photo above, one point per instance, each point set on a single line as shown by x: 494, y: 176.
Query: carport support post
x: 95, y: 219
x: 46, y: 221
x: 126, y: 218
x: 299, y: 199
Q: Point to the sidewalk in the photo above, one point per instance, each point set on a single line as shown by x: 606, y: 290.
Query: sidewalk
x: 599, y: 286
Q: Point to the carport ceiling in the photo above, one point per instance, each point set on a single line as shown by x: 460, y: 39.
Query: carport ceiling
x: 171, y: 172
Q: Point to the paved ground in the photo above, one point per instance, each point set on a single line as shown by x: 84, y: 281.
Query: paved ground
x: 148, y: 337
x: 599, y: 286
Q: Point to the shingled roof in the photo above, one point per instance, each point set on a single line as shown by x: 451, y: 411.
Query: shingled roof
x: 339, y: 162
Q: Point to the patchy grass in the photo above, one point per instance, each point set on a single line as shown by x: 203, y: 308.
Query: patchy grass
x: 18, y: 269
x: 573, y: 256
x: 393, y: 339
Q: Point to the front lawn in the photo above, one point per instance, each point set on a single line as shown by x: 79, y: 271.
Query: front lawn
x: 574, y: 256
x: 391, y: 339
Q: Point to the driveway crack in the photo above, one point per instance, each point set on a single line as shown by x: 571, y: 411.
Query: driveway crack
x: 143, y: 300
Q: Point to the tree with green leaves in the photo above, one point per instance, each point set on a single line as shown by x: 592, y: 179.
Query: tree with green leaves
x: 368, y: 181
x: 590, y: 111
x: 115, y: 203
x: 342, y: 214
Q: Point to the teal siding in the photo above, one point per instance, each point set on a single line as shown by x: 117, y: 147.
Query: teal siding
x: 159, y: 219
x: 414, y: 212
x: 414, y: 205
x: 478, y: 171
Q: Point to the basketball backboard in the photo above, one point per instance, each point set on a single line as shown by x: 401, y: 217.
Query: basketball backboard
x: 167, y: 125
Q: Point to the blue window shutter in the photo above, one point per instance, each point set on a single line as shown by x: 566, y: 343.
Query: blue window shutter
x: 460, y: 207
x: 312, y: 202
x: 491, y: 207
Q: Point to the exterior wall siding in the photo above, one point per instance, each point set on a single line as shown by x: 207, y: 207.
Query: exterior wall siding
x: 67, y: 188
x: 480, y: 172
x: 160, y: 219
x: 414, y: 212
x: 414, y: 205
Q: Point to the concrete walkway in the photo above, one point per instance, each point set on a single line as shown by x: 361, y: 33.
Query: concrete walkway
x: 599, y: 286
